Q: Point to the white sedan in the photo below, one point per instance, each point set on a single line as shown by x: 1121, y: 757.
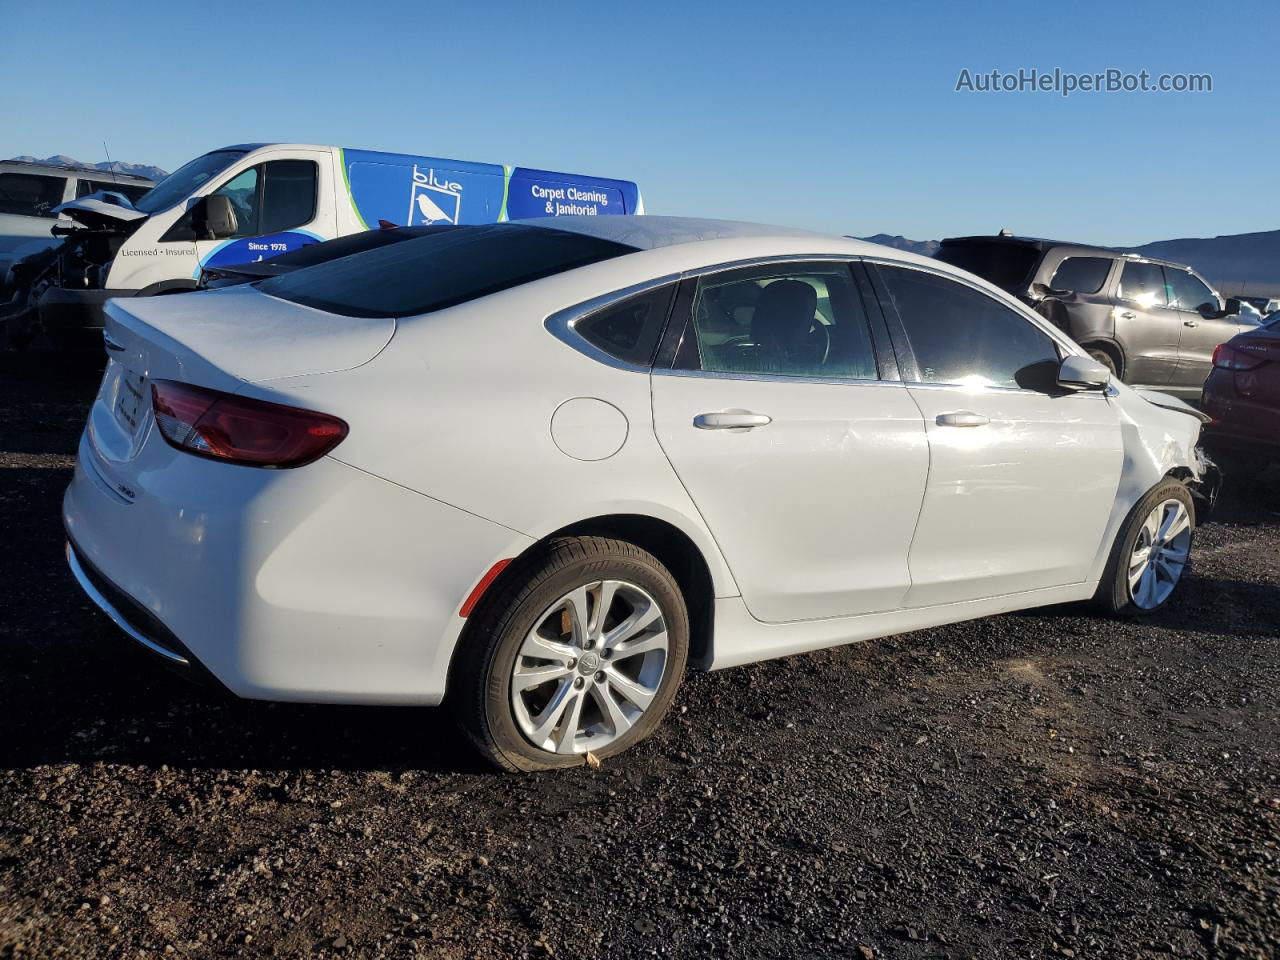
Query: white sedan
x: 544, y: 468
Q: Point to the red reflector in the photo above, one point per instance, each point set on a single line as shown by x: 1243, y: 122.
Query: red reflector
x: 223, y: 426
x: 485, y: 583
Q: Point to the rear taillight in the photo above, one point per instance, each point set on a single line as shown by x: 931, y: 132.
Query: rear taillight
x: 1231, y: 358
x: 223, y: 426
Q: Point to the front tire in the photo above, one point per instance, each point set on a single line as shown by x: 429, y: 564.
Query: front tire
x: 1105, y: 358
x: 580, y: 648
x: 1150, y: 554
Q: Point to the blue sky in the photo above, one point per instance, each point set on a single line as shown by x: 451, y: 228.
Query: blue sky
x: 834, y: 116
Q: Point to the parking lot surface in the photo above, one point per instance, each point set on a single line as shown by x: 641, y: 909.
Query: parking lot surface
x: 1036, y: 785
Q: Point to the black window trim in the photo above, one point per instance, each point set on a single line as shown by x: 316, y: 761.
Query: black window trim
x: 902, y: 345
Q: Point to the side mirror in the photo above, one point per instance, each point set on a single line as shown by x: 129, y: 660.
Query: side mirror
x: 1083, y: 373
x: 214, y: 217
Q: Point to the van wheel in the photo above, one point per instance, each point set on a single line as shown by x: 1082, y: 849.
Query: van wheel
x: 581, y: 648
x: 1150, y: 553
x: 1104, y: 357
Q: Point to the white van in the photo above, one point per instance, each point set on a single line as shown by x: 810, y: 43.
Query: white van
x: 254, y: 201
x: 31, y: 192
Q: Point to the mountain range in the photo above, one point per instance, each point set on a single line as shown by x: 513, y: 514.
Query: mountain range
x: 1241, y: 264
x: 110, y: 166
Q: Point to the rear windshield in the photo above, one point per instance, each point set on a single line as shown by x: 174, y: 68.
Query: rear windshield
x: 440, y: 270
x: 1007, y: 265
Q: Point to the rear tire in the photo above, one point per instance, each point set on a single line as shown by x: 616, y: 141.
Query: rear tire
x: 599, y: 669
x: 1105, y: 358
x: 1150, y: 554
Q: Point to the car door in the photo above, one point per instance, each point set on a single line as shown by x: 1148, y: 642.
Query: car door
x: 1147, y: 328
x: 1199, y: 335
x: 802, y: 450
x: 1022, y: 474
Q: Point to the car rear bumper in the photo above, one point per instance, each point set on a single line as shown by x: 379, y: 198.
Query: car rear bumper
x: 321, y: 584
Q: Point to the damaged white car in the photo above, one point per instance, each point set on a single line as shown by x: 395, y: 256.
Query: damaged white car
x: 541, y: 468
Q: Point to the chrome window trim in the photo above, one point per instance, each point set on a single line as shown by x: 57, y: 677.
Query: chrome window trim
x: 563, y: 323
x: 775, y: 378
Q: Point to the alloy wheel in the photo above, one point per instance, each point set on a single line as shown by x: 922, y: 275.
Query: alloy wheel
x: 590, y: 667
x: 1160, y: 554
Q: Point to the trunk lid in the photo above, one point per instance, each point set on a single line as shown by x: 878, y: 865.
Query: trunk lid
x: 220, y: 339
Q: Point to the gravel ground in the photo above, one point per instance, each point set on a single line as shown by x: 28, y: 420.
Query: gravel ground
x: 1033, y: 785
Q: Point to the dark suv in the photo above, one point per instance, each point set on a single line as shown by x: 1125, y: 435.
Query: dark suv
x: 1154, y: 323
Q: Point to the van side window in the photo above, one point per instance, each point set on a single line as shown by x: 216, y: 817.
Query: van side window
x: 242, y: 191
x: 1081, y: 274
x: 30, y: 194
x: 288, y: 195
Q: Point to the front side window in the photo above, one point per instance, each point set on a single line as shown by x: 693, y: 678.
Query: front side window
x: 440, y: 270
x: 964, y: 337
x: 1188, y: 292
x: 1143, y: 283
x: 1081, y: 274
x: 629, y: 330
x: 288, y: 195
x: 799, y: 320
x: 242, y: 190
x: 30, y: 194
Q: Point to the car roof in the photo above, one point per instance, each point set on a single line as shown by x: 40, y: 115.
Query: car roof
x: 91, y: 173
x: 649, y: 232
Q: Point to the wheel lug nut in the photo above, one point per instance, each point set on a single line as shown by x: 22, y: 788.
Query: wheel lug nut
x: 606, y: 653
x: 578, y: 683
x: 573, y: 662
x: 600, y: 677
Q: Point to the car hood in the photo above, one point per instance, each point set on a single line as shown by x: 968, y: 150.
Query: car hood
x: 1169, y: 402
x: 102, y: 209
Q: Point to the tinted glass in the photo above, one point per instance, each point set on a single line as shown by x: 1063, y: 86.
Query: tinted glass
x: 802, y: 320
x: 29, y: 194
x: 965, y: 337
x: 440, y: 270
x: 1186, y: 292
x: 327, y: 250
x: 1143, y: 283
x: 179, y: 184
x: 1081, y: 274
x: 1007, y: 265
x: 131, y: 190
x: 288, y: 195
x: 629, y: 330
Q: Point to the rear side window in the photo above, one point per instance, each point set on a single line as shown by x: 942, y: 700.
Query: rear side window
x: 131, y: 190
x: 629, y: 330
x: 441, y: 270
x: 1081, y: 274
x: 30, y: 194
x: 960, y: 336
x: 1007, y: 265
x: 1144, y: 284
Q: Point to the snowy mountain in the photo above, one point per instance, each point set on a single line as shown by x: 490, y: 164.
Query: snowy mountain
x: 926, y: 248
x: 114, y: 166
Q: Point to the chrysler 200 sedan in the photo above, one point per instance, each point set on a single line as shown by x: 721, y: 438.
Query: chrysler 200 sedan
x: 541, y: 469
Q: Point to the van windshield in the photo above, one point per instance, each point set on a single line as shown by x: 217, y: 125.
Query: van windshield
x: 440, y: 270
x: 179, y: 184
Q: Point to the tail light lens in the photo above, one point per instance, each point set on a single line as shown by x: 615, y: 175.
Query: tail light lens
x: 1229, y: 358
x: 255, y: 433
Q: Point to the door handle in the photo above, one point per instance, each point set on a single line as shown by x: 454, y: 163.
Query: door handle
x: 962, y: 418
x: 731, y: 420
x: 1128, y: 315
x: 1190, y: 323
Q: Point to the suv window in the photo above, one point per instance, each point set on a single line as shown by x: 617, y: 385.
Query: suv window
x: 1143, y: 283
x: 1081, y: 274
x: 30, y: 194
x: 440, y: 270
x: 131, y: 190
x: 800, y: 320
x: 962, y: 336
x: 629, y: 330
x: 1187, y: 292
x: 1006, y: 264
